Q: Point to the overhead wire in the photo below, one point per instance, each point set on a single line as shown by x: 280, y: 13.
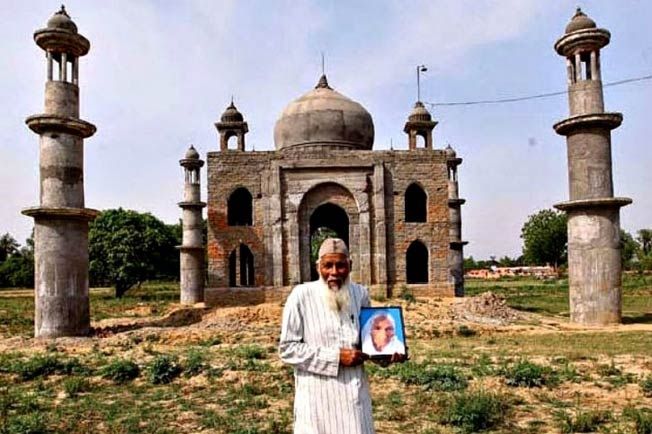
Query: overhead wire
x: 536, y: 96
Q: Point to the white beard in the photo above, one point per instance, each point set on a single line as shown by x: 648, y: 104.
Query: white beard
x: 338, y: 300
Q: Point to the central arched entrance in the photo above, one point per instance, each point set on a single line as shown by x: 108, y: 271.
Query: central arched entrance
x: 328, y: 220
x: 327, y: 209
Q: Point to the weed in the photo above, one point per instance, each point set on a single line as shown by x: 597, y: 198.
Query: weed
x: 642, y: 418
x: 475, y: 410
x: 438, y: 377
x: 646, y: 386
x: 466, y: 331
x: 195, y: 362
x: 528, y: 374
x: 588, y: 421
x: 483, y: 366
x: 163, y: 369
x: 45, y: 365
x: 568, y: 372
x: 407, y: 295
x: 249, y: 352
x: 614, y: 375
x: 211, y: 342
x: 609, y: 370
x: 73, y: 386
x: 120, y: 371
x: 30, y: 423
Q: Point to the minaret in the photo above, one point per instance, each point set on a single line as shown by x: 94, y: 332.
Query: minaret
x: 192, y: 246
x: 456, y: 252
x: 61, y: 221
x: 231, y: 124
x: 419, y: 123
x: 594, y: 264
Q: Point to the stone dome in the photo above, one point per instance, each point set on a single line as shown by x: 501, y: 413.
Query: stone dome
x: 419, y: 113
x: 231, y: 114
x: 580, y: 21
x: 324, y: 117
x: 192, y: 154
x: 61, y: 21
x: 450, y: 152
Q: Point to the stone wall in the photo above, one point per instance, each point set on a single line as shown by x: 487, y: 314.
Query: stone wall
x: 369, y: 185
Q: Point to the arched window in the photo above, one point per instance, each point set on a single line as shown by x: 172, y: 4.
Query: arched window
x: 231, y: 140
x: 241, y: 267
x: 416, y: 263
x: 420, y: 140
x: 240, y: 208
x: 416, y: 209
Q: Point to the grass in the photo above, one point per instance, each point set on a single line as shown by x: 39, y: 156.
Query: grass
x: 234, y: 383
x: 551, y: 298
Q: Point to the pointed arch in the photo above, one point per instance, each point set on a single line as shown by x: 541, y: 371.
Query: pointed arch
x: 240, y: 208
x: 416, y: 204
x: 416, y: 263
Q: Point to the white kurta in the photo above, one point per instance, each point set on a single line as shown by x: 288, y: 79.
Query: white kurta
x: 329, y: 398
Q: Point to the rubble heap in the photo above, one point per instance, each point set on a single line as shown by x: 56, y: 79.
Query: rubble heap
x: 486, y: 308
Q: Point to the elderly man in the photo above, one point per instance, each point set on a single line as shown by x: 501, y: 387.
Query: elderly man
x: 320, y: 338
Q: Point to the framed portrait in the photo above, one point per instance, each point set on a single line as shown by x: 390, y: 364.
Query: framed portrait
x: 382, y: 331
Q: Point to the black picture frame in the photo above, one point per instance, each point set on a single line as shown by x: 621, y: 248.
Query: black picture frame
x: 375, y: 324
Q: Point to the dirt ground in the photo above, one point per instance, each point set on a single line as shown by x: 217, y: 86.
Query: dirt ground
x: 441, y: 330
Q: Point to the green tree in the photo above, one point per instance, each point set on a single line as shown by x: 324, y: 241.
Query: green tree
x: 127, y: 247
x: 8, y: 246
x: 645, y: 238
x: 629, y: 247
x: 18, y: 268
x: 318, y: 237
x: 506, y: 261
x: 545, y: 238
x: 469, y: 263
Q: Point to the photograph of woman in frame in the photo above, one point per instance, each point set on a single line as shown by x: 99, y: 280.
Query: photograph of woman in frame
x: 382, y: 332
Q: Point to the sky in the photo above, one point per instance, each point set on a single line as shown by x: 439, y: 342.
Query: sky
x: 160, y: 73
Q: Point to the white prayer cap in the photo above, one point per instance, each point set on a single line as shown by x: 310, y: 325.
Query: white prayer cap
x: 333, y: 245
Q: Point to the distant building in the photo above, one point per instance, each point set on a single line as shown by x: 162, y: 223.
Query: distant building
x: 540, y: 272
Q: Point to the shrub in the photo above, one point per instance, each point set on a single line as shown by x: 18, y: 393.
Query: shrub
x: 195, y: 363
x: 120, y: 371
x: 250, y: 352
x: 583, y: 421
x: 642, y: 419
x: 407, y: 295
x: 646, y: 386
x: 73, y: 386
x: 443, y: 378
x: 474, y: 411
x: 466, y: 331
x: 527, y: 374
x: 30, y: 423
x: 45, y: 365
x: 163, y: 369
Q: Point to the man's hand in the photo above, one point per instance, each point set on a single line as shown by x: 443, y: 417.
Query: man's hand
x: 398, y: 358
x: 351, y: 357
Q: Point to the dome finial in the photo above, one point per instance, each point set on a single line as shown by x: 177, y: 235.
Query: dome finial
x: 62, y: 11
x: 323, y: 83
